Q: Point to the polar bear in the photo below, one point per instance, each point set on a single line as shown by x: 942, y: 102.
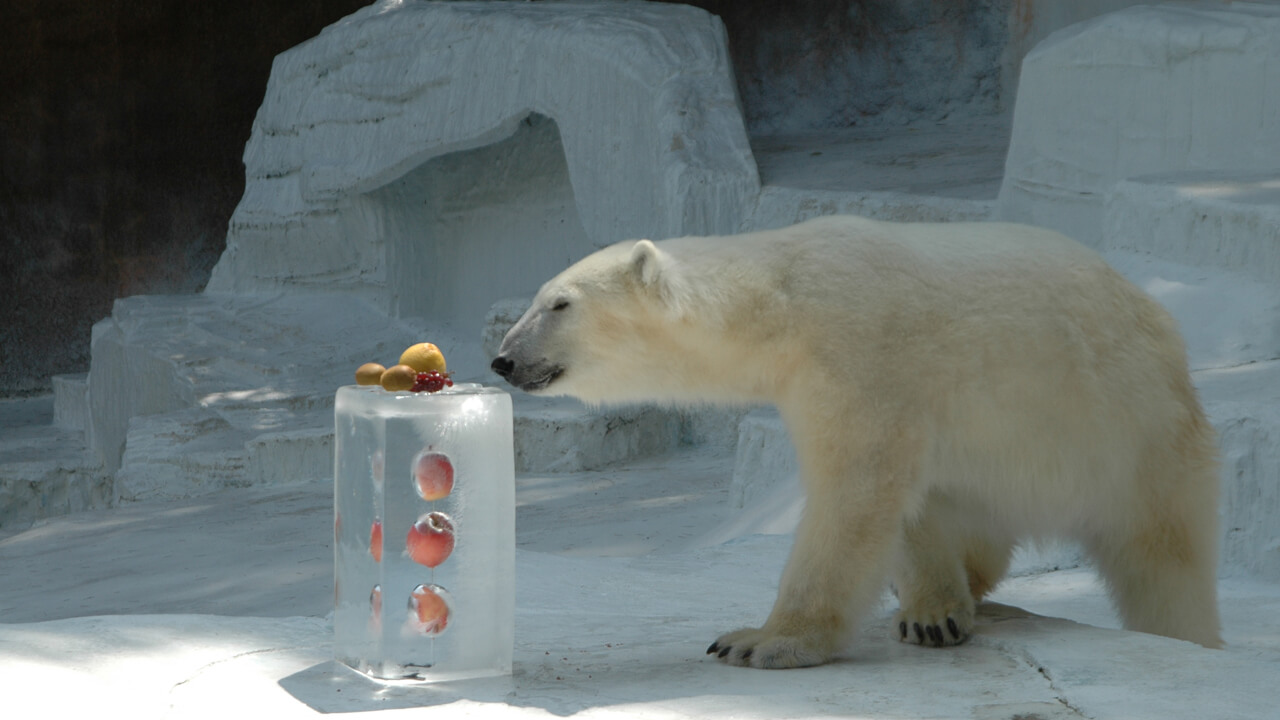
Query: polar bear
x: 952, y: 389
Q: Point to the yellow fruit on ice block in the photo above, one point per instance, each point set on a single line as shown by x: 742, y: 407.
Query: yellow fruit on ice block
x: 400, y: 377
x: 369, y: 374
x: 424, y: 357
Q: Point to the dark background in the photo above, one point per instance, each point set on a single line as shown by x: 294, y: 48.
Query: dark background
x: 122, y: 124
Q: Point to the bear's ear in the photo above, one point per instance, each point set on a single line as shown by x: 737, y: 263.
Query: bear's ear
x: 646, y: 262
x: 654, y: 270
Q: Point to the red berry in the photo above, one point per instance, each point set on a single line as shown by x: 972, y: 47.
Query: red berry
x: 431, y: 381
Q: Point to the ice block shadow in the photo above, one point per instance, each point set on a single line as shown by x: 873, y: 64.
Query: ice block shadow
x: 331, y: 687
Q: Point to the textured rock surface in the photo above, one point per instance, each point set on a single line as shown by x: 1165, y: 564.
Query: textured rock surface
x: 560, y: 435
x: 613, y: 120
x: 1145, y: 90
x: 1225, y: 220
x: 44, y: 468
x: 70, y: 401
x: 1244, y: 404
x: 224, y: 366
x: 764, y: 457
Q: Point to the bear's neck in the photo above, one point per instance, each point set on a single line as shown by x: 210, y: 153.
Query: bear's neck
x: 737, y: 345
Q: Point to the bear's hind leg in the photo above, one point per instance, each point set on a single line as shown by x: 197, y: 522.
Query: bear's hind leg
x: 943, y: 570
x: 1160, y: 568
x: 986, y: 560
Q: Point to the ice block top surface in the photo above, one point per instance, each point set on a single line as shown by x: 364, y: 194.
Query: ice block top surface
x: 371, y: 399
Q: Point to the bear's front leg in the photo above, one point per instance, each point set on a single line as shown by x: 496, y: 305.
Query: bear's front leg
x: 936, y: 607
x: 847, y: 536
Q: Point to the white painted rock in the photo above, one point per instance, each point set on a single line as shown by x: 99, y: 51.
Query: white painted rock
x: 1145, y: 90
x: 436, y: 157
x: 232, y: 368
x: 763, y: 459
x: 1225, y: 220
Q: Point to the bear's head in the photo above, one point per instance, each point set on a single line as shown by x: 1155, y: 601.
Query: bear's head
x: 604, y: 330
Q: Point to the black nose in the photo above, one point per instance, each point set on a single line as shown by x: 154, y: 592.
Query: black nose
x: 502, y: 366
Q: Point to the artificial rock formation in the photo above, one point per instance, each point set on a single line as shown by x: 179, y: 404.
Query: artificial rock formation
x: 436, y: 157
x: 1150, y: 89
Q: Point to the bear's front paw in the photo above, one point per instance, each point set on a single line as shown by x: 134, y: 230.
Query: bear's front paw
x: 937, y: 627
x: 759, y: 648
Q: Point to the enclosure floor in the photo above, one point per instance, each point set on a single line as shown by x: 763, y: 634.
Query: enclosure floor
x: 218, y: 607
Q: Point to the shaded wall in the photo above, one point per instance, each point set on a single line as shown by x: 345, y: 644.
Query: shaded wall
x: 122, y: 123
x: 805, y: 64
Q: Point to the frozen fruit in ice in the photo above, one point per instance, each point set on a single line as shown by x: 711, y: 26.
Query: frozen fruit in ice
x: 423, y: 357
x: 430, y: 540
x: 369, y: 374
x: 433, y: 475
x: 375, y: 610
x: 399, y: 377
x: 377, y: 465
x: 431, y: 382
x: 375, y: 541
x: 429, y: 609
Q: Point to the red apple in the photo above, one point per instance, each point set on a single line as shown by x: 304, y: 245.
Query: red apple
x: 429, y: 609
x: 375, y: 540
x: 430, y: 540
x: 434, y: 475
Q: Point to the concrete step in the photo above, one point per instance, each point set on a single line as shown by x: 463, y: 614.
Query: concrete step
x: 45, y: 470
x: 1222, y: 219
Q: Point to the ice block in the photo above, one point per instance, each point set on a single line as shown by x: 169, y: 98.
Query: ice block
x: 424, y: 532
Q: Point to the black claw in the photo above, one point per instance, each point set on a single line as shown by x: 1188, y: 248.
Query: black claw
x: 747, y: 655
x: 724, y: 652
x: 715, y: 648
x: 955, y: 629
x: 935, y: 634
x: 902, y: 629
x: 919, y: 632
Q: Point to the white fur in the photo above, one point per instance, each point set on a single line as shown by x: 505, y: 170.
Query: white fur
x: 951, y: 389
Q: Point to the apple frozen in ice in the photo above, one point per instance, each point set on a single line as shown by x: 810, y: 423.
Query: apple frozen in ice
x: 429, y: 609
x: 375, y: 610
x: 433, y: 475
x: 375, y: 540
x: 430, y: 540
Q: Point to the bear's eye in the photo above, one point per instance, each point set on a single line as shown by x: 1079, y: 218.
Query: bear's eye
x: 559, y: 305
